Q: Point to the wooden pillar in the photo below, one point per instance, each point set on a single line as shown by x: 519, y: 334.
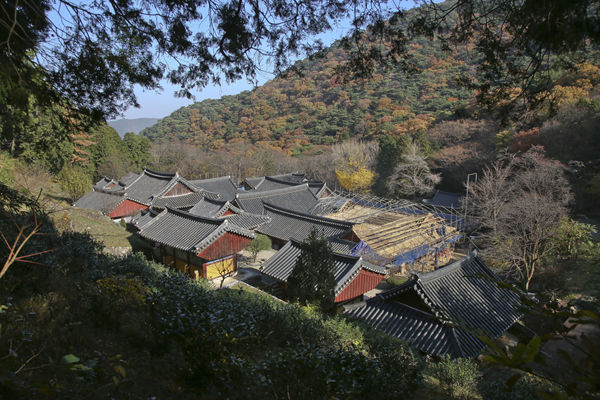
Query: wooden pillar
x: 187, y: 263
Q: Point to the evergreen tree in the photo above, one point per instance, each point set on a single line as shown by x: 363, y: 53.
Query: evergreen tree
x: 139, y: 149
x: 312, y: 279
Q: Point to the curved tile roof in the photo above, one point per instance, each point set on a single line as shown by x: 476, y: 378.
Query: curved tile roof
x: 463, y: 299
x: 99, y: 200
x: 298, y: 198
x: 223, y: 185
x: 418, y: 328
x: 181, y: 201
x: 188, y: 232
x: 288, y: 224
x: 143, y: 217
x: 213, y: 208
x: 247, y: 220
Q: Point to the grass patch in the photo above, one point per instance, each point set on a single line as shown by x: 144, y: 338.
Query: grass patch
x: 396, y: 280
x: 93, y: 222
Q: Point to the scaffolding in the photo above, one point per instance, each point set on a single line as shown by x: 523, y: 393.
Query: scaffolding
x: 354, y: 207
x: 395, y: 232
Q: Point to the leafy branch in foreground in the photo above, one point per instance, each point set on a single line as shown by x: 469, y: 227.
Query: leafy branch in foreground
x: 25, y: 231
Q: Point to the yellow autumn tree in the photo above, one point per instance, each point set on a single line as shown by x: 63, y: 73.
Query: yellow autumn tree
x: 356, y: 178
x: 355, y: 164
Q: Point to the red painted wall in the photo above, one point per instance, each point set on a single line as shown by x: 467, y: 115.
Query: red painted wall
x: 178, y: 189
x: 224, y: 246
x: 228, y: 212
x: 364, y: 281
x: 127, y: 208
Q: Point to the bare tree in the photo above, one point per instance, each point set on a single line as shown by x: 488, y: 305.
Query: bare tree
x: 519, y: 204
x: 491, y: 194
x: 412, y: 176
x: 364, y: 153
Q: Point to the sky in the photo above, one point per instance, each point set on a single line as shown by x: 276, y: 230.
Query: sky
x: 159, y: 104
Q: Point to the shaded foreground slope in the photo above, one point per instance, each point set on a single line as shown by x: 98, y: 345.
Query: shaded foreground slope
x: 138, y: 330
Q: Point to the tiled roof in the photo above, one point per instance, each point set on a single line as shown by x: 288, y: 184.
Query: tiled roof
x: 340, y: 245
x: 222, y: 185
x: 287, y: 224
x: 216, y: 209
x: 298, y: 198
x: 417, y: 327
x: 269, y: 183
x: 317, y: 188
x: 292, y: 177
x: 213, y: 208
x: 181, y: 201
x: 143, y: 217
x: 276, y: 181
x: 346, y: 268
x: 254, y: 182
x: 457, y: 302
x: 247, y: 220
x: 148, y: 185
x: 188, y: 232
x: 129, y: 178
x: 445, y: 199
x: 101, y: 201
x: 103, y: 182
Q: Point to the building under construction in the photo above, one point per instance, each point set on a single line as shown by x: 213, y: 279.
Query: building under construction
x: 397, y: 233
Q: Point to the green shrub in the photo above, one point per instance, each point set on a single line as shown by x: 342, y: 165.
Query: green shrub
x: 260, y: 242
x: 527, y: 387
x: 457, y: 378
x: 570, y: 236
x: 75, y: 181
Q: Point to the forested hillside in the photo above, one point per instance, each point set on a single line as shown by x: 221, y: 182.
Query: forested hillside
x: 316, y: 107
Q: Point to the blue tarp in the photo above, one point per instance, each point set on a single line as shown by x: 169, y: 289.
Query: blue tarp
x: 408, y: 257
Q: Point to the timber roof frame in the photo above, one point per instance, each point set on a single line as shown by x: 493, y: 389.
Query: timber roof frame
x: 340, y: 199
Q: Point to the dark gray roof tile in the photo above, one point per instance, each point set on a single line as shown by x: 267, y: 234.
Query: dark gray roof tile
x: 416, y: 327
x: 287, y: 224
x: 188, y: 232
x: 101, y: 201
x: 181, y: 201
x: 143, y: 217
x: 248, y: 221
x: 223, y: 185
x: 297, y: 198
x: 464, y: 299
x: 340, y: 245
x: 213, y: 208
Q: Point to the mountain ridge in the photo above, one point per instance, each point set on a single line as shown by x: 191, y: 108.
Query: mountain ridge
x: 316, y: 109
x: 135, y: 125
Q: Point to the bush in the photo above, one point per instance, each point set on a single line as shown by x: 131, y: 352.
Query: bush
x: 75, y: 181
x: 260, y: 242
x: 457, y: 378
x: 527, y: 387
x: 570, y: 236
